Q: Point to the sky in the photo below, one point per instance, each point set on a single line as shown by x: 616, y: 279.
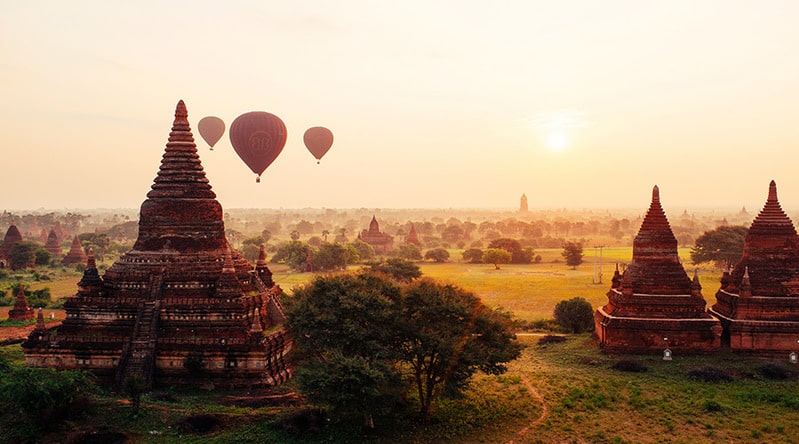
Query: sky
x: 433, y: 104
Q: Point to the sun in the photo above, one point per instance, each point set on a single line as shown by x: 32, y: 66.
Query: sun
x: 557, y: 141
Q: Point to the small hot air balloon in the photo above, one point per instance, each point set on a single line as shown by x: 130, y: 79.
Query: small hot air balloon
x: 318, y: 140
x: 211, y: 128
x: 258, y: 137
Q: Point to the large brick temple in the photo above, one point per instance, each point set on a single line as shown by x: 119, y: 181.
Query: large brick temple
x: 654, y: 305
x: 758, y: 302
x: 182, y: 307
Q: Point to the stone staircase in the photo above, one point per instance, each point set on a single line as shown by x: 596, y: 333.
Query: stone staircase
x: 138, y: 354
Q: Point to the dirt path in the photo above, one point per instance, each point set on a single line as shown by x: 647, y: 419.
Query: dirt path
x: 21, y: 333
x: 544, y: 409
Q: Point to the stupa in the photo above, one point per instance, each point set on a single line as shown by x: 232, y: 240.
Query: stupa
x: 12, y: 238
x: 381, y: 242
x: 758, y: 302
x: 76, y: 255
x: 654, y: 305
x: 53, y: 245
x: 413, y: 237
x: 22, y: 310
x: 180, y: 308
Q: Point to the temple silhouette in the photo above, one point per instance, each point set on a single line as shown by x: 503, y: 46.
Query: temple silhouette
x: 182, y: 307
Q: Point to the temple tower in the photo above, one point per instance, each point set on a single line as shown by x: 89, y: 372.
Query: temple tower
x: 381, y: 242
x: 180, y: 307
x: 758, y: 302
x: 75, y: 254
x: 654, y: 304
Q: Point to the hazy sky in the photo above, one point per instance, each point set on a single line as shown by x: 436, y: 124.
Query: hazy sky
x: 432, y: 103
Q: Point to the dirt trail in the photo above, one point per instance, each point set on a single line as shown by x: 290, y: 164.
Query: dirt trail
x: 544, y: 409
x: 21, y: 333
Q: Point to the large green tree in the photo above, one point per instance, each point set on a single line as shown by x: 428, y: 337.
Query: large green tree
x: 363, y: 343
x: 724, y: 245
x: 573, y: 253
x: 575, y: 315
x: 293, y: 253
x: 346, y: 343
x: 496, y: 256
x: 398, y: 269
x: 449, y: 335
x: 437, y: 254
x: 518, y: 254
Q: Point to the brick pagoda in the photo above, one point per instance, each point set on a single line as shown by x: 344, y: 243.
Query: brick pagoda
x: 12, y: 238
x: 76, y: 255
x: 758, y: 302
x: 381, y: 242
x: 53, y: 245
x: 655, y: 305
x: 180, y: 308
x: 22, y: 310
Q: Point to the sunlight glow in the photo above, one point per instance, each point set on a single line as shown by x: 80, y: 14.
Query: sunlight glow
x: 557, y: 141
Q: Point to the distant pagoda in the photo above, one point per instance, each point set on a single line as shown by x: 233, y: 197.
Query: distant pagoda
x: 413, y: 237
x: 758, y: 302
x: 12, y: 238
x: 655, y: 305
x: 76, y: 255
x: 53, y: 245
x: 22, y: 310
x: 523, y: 204
x: 180, y: 308
x: 381, y: 242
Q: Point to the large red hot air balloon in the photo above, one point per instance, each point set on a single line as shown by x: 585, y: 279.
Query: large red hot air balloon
x: 318, y: 140
x: 258, y: 137
x: 211, y: 128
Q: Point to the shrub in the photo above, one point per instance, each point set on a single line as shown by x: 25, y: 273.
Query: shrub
x: 551, y: 339
x: 710, y: 374
x: 775, y: 370
x: 629, y: 365
x: 575, y: 315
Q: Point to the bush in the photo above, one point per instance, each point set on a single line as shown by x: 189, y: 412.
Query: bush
x: 710, y: 374
x: 774, y: 370
x: 551, y: 339
x: 575, y: 315
x: 629, y: 365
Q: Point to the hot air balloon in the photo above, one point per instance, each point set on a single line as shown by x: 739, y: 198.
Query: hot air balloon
x: 258, y: 137
x: 318, y: 140
x: 211, y: 128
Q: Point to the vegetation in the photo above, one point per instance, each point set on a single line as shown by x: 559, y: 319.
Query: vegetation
x: 363, y: 342
x: 723, y: 245
x: 437, y: 254
x: 573, y: 253
x: 575, y: 315
x: 496, y: 256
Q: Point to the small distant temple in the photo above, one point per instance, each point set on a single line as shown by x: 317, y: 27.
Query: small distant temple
x: 180, y: 308
x: 758, y: 302
x: 523, y: 204
x: 413, y: 237
x: 76, y: 255
x: 381, y: 242
x: 12, y: 238
x: 53, y: 245
x: 22, y: 310
x: 654, y: 305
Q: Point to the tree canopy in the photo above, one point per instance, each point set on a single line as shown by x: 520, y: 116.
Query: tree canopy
x: 496, y: 256
x: 363, y: 343
x: 575, y: 315
x: 724, y: 245
x: 573, y: 253
x: 518, y: 254
x: 437, y: 254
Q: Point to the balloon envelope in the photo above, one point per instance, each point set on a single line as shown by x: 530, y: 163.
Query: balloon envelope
x: 258, y: 137
x: 211, y: 128
x: 318, y: 140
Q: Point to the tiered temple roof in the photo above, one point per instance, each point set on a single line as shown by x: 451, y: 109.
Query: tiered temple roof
x: 180, y: 295
x: 758, y: 303
x: 76, y: 255
x: 53, y: 244
x: 654, y: 304
x: 22, y: 310
x: 12, y: 237
x: 413, y: 237
x: 381, y: 242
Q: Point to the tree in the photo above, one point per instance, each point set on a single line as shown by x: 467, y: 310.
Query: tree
x: 23, y: 255
x: 398, y: 269
x: 365, y: 251
x: 573, y: 253
x: 331, y: 256
x: 345, y: 339
x: 362, y: 342
x: 473, y: 255
x: 294, y: 235
x: 518, y: 254
x: 575, y: 315
x: 724, y: 245
x: 449, y: 335
x: 410, y: 252
x: 293, y: 253
x: 437, y: 254
x: 42, y: 257
x: 496, y: 256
